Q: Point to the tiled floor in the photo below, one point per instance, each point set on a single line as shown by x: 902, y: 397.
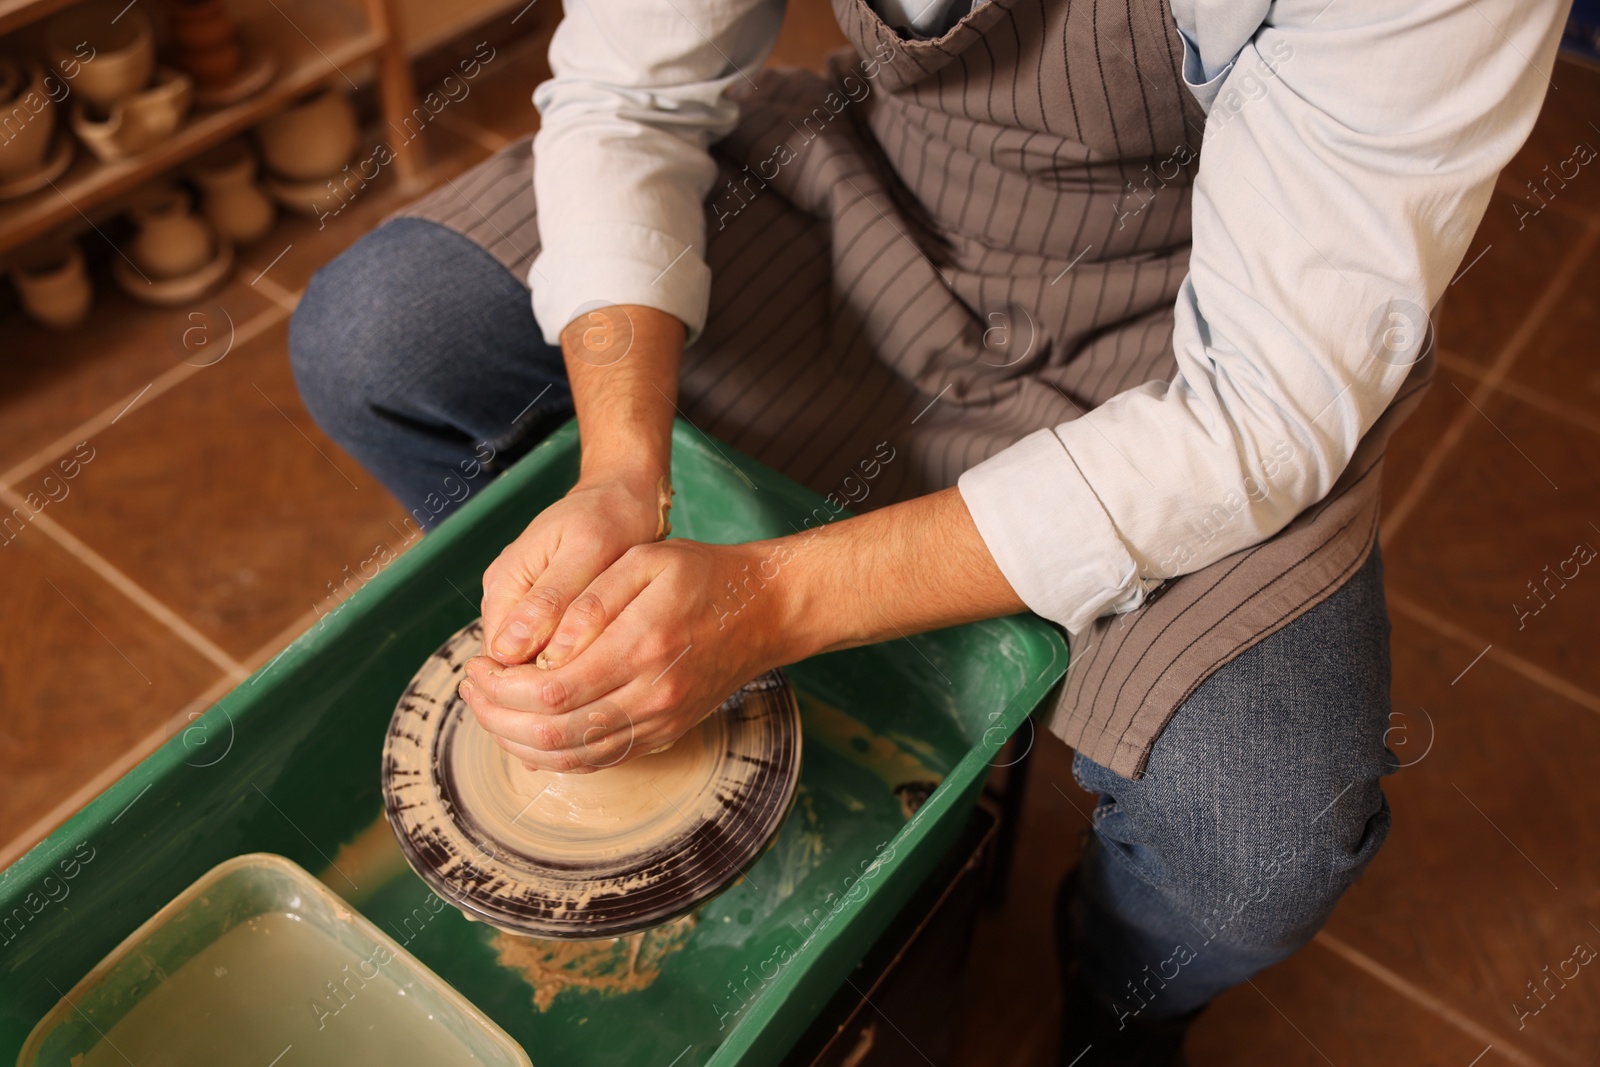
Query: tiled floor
x: 206, y: 518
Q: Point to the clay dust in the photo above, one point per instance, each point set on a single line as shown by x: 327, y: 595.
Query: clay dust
x: 610, y: 966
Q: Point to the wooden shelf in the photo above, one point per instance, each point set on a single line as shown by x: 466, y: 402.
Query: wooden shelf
x: 315, y: 42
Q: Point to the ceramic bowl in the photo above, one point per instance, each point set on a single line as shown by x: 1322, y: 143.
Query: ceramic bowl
x: 53, y: 284
x: 174, y: 292
x: 312, y: 140
x: 30, y: 118
x: 123, y: 50
x: 138, y: 122
x: 54, y: 166
x: 313, y: 198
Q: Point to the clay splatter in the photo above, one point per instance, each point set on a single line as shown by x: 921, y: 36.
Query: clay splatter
x: 893, y: 759
x: 611, y: 966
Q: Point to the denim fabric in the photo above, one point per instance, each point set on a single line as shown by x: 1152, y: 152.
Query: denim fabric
x: 416, y: 351
x: 1259, y: 807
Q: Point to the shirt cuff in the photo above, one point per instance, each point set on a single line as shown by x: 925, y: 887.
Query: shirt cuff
x: 1049, y: 533
x: 603, y: 264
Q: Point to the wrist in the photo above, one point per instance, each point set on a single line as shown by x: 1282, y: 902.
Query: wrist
x: 794, y: 616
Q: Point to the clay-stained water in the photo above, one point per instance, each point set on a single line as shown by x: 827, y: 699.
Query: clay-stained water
x: 274, y: 983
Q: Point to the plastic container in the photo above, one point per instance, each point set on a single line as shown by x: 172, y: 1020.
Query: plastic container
x: 352, y: 977
x: 289, y: 763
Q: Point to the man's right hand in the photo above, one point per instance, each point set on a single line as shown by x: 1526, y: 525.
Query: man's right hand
x: 541, y: 575
x: 622, y: 363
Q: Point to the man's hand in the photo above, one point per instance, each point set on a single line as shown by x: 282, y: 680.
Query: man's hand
x: 530, y: 585
x: 670, y: 630
x: 650, y: 648
x: 622, y: 362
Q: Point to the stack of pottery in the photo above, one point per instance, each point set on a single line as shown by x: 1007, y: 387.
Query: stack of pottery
x: 31, y: 157
x: 125, y: 104
x: 306, y: 148
x: 175, y: 256
x: 234, y: 204
x: 207, y: 47
x: 53, y: 284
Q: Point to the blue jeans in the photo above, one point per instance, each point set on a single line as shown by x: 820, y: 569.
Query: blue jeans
x: 1261, y: 801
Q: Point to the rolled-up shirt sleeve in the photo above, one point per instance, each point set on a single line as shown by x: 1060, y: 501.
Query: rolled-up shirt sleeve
x: 621, y: 167
x: 1350, y: 151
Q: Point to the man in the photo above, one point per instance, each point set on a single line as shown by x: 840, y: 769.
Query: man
x: 984, y: 274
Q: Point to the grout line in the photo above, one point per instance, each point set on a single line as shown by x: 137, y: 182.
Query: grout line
x: 1526, y: 394
x: 119, y: 409
x: 1360, y: 960
x: 1542, y: 308
x: 280, y: 296
x: 128, y: 587
x: 1528, y: 669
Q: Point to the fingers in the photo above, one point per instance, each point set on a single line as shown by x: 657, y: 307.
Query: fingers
x: 597, y: 736
x: 530, y: 620
x: 506, y: 581
x: 597, y: 607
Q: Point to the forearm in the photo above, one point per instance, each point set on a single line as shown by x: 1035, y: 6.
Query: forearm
x: 622, y: 363
x: 915, y: 566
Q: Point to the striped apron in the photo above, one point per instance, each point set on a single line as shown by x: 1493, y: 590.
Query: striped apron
x: 943, y: 245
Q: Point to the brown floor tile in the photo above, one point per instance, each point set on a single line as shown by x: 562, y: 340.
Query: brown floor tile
x: 809, y: 33
x: 223, y: 499
x: 1492, y: 522
x: 299, y: 246
x: 1498, y: 813
x: 1570, y: 117
x: 51, y: 382
x: 84, y: 674
x: 1507, y: 266
x: 1314, y: 1009
x: 1559, y: 361
x: 1415, y: 439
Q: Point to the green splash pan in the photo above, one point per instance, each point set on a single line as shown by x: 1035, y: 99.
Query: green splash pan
x: 289, y: 763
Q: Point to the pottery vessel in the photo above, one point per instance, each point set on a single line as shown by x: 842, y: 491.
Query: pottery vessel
x: 235, y: 205
x: 53, y: 285
x: 310, y: 141
x: 171, y: 241
x: 206, y: 42
x: 27, y: 118
x: 138, y: 122
x: 182, y: 290
x: 123, y: 51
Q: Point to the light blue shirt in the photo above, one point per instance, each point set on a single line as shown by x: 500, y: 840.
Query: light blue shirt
x: 1349, y: 153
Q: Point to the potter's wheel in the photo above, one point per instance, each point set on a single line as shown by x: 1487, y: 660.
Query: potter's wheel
x: 583, y: 855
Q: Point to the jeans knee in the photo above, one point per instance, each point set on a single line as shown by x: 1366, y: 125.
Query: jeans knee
x: 1277, y: 876
x: 359, y: 322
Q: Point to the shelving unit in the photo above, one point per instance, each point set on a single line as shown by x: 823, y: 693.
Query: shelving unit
x: 315, y: 43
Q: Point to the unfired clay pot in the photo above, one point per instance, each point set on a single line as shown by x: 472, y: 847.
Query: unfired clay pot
x: 235, y: 205
x: 53, y: 285
x: 137, y: 122
x: 124, y: 51
x: 31, y: 119
x: 312, y: 140
x: 206, y: 42
x: 170, y: 241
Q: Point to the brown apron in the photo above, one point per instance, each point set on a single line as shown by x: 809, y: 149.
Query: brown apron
x: 945, y: 245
